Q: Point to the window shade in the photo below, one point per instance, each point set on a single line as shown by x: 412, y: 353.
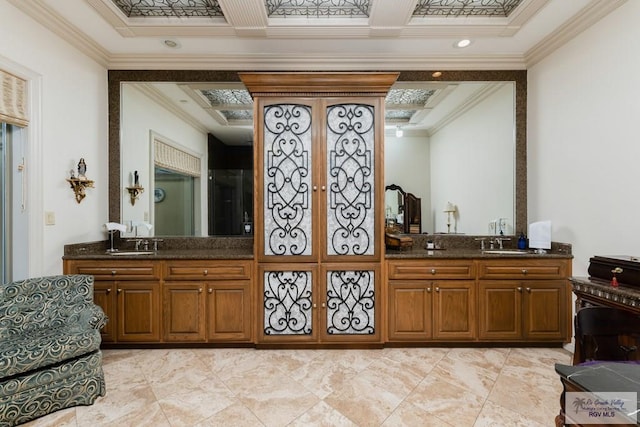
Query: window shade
x: 169, y: 157
x: 13, y: 99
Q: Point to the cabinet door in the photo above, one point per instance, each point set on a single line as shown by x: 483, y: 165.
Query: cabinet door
x: 349, y: 305
x: 104, y: 295
x: 544, y: 309
x: 138, y: 311
x: 500, y: 308
x: 454, y: 310
x: 351, y: 167
x: 286, y: 197
x: 288, y: 310
x: 229, y: 310
x: 184, y: 311
x: 410, y: 310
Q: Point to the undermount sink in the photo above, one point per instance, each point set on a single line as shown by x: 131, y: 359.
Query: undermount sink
x: 129, y: 253
x: 504, y: 252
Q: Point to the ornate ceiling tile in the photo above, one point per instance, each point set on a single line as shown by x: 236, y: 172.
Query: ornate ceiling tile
x: 408, y: 96
x: 169, y: 8
x: 455, y: 8
x: 228, y: 97
x: 318, y: 8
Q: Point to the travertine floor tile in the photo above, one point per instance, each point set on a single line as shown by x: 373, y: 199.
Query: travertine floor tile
x: 474, y: 387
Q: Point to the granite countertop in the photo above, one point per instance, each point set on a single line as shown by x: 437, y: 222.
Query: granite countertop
x: 168, y: 248
x: 418, y: 253
x: 235, y: 253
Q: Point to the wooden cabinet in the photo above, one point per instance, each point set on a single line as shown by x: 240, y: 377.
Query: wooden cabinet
x: 319, y: 197
x: 129, y: 294
x: 171, y: 301
x: 524, y: 300
x: 207, y: 300
x: 431, y: 300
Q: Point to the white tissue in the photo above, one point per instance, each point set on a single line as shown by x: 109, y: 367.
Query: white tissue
x: 540, y: 235
x: 110, y: 226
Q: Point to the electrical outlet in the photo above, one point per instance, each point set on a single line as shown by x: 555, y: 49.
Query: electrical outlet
x: 146, y: 216
x: 49, y: 218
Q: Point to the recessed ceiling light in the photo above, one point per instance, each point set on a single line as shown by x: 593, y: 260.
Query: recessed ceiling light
x: 173, y: 44
x: 436, y: 74
x: 463, y: 43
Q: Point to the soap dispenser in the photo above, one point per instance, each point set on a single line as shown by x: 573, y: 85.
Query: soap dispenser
x: 522, y: 241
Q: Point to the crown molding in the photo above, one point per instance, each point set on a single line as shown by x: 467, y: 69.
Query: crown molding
x: 295, y: 62
x: 589, y: 15
x: 52, y: 21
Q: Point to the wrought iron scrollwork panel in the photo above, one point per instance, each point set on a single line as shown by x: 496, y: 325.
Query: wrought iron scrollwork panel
x: 287, y: 303
x: 287, y: 179
x: 351, y: 302
x: 350, y: 179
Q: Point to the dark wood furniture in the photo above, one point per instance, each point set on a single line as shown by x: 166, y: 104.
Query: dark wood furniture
x: 607, y: 333
x: 591, y: 292
x: 600, y: 377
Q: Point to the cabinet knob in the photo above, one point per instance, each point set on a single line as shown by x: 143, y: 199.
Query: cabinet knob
x: 524, y: 271
x: 206, y: 272
x: 113, y: 272
x: 315, y: 188
x: 210, y: 291
x: 433, y: 271
x: 324, y: 188
x: 437, y: 289
x: 323, y: 305
x: 519, y: 288
x: 108, y: 290
x: 119, y: 290
x: 200, y: 290
x: 315, y: 305
x: 528, y: 289
x: 428, y: 289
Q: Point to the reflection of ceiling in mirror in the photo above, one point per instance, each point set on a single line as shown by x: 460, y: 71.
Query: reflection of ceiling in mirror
x: 315, y: 8
x: 419, y: 107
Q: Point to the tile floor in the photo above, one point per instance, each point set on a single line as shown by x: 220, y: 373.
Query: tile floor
x: 389, y: 387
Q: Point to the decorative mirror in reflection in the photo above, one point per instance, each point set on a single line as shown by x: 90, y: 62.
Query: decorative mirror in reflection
x: 402, y: 211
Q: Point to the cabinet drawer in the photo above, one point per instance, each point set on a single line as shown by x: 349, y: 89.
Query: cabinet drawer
x: 523, y: 269
x: 207, y: 270
x: 117, y: 271
x: 431, y: 270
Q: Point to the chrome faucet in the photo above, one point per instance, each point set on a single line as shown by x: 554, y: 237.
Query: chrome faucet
x: 499, y: 241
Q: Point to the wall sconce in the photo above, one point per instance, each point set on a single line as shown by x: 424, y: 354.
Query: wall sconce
x: 399, y: 132
x: 449, y: 209
x: 80, y: 183
x: 136, y: 190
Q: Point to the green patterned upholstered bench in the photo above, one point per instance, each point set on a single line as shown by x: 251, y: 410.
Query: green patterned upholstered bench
x: 50, y: 355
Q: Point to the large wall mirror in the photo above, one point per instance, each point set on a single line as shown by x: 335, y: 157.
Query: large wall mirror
x: 189, y: 134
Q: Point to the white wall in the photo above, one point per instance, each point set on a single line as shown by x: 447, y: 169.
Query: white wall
x: 472, y: 166
x: 406, y: 163
x: 68, y: 94
x: 143, y: 116
x: 583, y: 139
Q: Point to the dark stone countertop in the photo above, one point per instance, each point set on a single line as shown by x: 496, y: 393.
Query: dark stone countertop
x: 204, y: 248
x: 420, y: 253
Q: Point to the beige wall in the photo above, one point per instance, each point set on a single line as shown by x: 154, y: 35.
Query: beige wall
x: 583, y: 139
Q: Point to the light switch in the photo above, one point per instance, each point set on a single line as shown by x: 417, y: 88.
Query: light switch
x: 49, y: 218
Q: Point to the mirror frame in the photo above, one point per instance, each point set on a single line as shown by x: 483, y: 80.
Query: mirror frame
x: 518, y: 77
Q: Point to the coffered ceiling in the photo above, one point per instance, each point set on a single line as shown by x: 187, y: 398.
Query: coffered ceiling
x: 316, y: 34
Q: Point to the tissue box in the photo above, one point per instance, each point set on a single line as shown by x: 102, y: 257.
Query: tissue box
x: 600, y: 267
